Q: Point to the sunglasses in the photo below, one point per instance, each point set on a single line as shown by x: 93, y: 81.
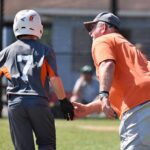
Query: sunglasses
x: 91, y: 26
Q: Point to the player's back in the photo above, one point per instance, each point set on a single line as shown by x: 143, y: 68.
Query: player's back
x: 25, y: 63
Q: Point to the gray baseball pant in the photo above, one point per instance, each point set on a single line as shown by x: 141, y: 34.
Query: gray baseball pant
x: 24, y: 120
x: 135, y: 128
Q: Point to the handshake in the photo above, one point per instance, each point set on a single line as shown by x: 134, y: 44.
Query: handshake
x: 67, y: 109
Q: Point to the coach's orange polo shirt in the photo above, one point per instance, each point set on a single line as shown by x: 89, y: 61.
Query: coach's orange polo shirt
x: 131, y: 82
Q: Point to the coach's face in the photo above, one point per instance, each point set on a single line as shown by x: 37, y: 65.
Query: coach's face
x: 98, y: 30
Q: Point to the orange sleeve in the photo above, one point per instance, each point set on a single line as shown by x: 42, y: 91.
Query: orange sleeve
x: 103, y: 51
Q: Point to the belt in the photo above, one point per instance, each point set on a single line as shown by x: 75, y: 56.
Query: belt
x: 136, y: 106
x: 144, y: 102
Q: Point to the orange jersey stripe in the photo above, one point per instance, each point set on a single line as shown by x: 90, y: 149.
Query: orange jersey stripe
x: 46, y: 69
x: 1, y: 73
x: 50, y: 70
x: 5, y: 71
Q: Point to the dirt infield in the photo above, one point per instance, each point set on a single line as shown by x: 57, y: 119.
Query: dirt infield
x: 99, y: 128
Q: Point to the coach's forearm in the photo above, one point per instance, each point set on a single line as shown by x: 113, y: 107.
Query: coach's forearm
x: 58, y: 87
x: 106, y: 72
x: 94, y: 107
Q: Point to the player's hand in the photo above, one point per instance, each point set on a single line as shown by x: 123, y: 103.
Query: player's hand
x: 107, y: 109
x: 67, y: 109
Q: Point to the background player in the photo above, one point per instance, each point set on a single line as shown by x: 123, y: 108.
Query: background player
x: 86, y: 88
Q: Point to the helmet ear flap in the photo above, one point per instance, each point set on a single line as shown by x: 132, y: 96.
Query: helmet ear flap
x: 27, y: 22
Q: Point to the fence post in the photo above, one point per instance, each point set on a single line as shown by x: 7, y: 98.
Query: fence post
x: 114, y: 7
x: 1, y: 42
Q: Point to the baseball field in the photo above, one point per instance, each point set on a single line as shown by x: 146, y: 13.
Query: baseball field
x: 84, y: 134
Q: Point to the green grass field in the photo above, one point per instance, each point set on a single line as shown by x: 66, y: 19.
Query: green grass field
x: 85, y: 134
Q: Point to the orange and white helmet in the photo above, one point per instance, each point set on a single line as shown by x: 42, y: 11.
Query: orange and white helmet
x: 27, y: 22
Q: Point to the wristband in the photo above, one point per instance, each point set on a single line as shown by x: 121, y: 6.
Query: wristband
x: 103, y: 94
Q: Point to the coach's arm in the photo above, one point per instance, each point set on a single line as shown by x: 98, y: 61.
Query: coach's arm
x: 106, y: 73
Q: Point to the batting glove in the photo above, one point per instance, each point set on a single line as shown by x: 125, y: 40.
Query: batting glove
x: 67, y: 109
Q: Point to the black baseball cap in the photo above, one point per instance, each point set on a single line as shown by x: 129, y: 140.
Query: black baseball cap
x: 106, y: 17
x: 87, y: 69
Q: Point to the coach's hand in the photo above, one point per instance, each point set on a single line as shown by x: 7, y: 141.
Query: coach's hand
x: 67, y: 109
x: 107, y: 109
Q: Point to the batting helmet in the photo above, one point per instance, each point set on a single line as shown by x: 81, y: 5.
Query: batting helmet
x: 27, y: 22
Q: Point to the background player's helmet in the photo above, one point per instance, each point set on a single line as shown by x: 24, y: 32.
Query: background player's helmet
x: 27, y: 22
x: 87, y: 70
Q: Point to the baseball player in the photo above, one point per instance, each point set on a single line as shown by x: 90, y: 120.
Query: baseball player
x: 29, y: 66
x: 86, y: 88
x: 123, y: 73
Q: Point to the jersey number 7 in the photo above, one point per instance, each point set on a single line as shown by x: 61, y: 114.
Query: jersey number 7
x: 24, y: 62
